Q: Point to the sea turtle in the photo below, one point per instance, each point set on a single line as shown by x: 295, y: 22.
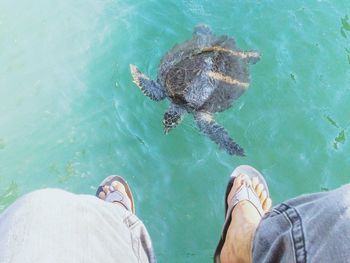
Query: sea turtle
x: 201, y: 76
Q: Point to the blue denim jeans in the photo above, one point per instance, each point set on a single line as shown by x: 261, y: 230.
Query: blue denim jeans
x: 309, y: 228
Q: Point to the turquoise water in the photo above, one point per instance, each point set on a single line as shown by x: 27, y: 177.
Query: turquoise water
x: 70, y: 115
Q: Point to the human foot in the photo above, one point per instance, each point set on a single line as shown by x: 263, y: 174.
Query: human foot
x: 115, y: 189
x: 244, y: 221
x: 257, y: 186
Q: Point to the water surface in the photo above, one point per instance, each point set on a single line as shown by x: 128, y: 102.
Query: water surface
x: 70, y: 115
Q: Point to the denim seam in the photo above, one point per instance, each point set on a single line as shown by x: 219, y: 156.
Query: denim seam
x: 297, y: 231
x: 291, y: 237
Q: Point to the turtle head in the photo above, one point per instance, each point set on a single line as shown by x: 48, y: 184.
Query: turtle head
x: 170, y: 121
x: 172, y: 117
x: 202, y: 30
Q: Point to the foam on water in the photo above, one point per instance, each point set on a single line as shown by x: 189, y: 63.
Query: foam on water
x: 70, y: 115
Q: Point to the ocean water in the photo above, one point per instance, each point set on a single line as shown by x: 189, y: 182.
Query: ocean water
x: 70, y: 114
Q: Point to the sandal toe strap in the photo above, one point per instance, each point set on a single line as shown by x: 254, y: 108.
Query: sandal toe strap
x: 117, y: 196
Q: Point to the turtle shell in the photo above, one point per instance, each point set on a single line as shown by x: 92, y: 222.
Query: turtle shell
x: 206, y: 73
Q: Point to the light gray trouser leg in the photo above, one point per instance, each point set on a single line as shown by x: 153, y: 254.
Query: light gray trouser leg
x: 309, y: 228
x: 52, y: 225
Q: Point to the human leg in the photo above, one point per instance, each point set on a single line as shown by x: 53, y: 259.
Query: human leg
x: 309, y: 228
x: 246, y: 208
x: 52, y: 225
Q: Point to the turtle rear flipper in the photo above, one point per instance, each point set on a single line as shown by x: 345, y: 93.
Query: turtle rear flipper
x: 228, y: 45
x: 253, y: 56
x: 217, y: 133
x: 149, y: 87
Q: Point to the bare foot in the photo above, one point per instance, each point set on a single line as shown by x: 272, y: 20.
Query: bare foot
x: 115, y: 186
x: 245, y: 219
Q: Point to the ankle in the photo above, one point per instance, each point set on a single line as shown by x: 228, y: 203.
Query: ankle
x: 245, y: 220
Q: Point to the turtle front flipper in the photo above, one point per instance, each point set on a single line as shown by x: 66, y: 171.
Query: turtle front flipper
x: 149, y: 87
x: 172, y: 117
x: 217, y: 133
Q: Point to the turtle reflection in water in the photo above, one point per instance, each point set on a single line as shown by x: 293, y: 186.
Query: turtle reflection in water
x: 201, y: 76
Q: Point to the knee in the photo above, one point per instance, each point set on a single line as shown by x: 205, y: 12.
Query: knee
x: 44, y: 197
x: 342, y: 197
x: 38, y: 204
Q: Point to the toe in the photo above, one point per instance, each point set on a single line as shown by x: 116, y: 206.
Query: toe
x: 118, y: 186
x: 263, y: 196
x: 267, y: 204
x: 247, y: 181
x: 259, y: 188
x: 255, y: 182
x: 102, y: 195
x: 105, y: 189
x: 237, y: 183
